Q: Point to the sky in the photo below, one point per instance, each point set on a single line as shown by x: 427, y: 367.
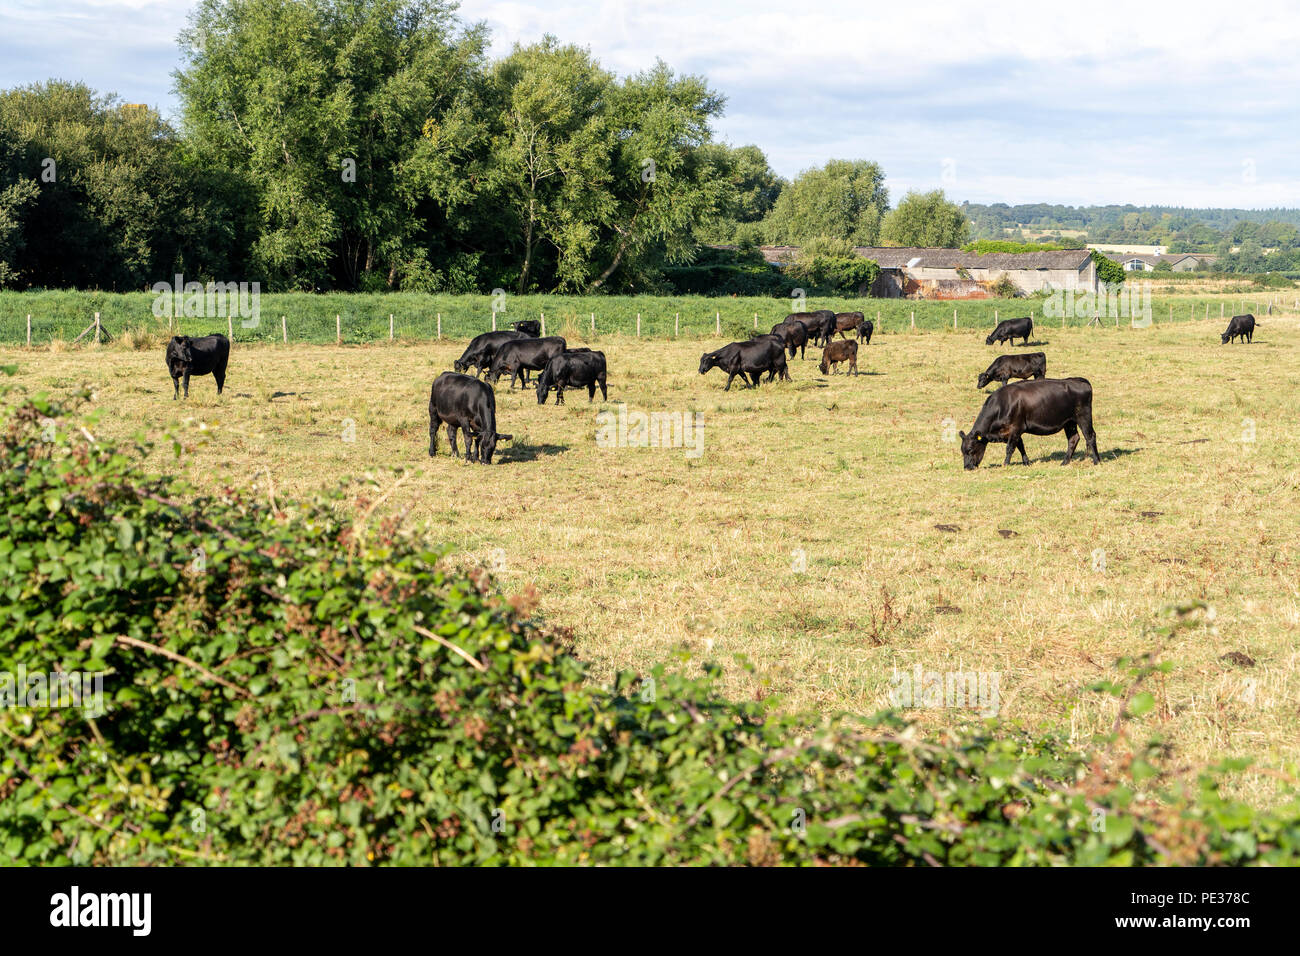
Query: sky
x: 1102, y: 102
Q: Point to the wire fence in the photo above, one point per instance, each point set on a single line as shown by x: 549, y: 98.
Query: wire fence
x: 28, y: 319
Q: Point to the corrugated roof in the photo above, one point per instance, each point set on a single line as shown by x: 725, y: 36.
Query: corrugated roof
x: 899, y: 257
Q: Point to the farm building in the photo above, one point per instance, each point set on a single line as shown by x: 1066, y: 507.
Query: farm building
x: 953, y: 274
x: 1145, y: 262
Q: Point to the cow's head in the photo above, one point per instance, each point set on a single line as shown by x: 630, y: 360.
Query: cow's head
x: 487, y: 445
x: 825, y: 365
x: 1224, y: 337
x: 460, y: 365
x: 983, y: 380
x: 989, y: 340
x: 972, y: 449
x: 179, y: 355
x: 707, y: 361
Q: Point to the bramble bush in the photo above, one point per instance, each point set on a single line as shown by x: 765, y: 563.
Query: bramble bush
x: 308, y: 683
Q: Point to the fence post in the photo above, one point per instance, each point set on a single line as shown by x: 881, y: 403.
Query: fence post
x: 755, y: 320
x: 954, y: 320
x: 494, y: 320
x: 717, y: 323
x: 284, y: 329
x: 29, y: 330
x: 230, y: 327
x: 593, y: 321
x: 543, y: 315
x: 879, y: 328
x: 638, y: 325
x: 97, y: 328
x: 677, y: 322
x: 439, y: 325
x: 338, y: 329
x: 390, y: 326
x: 913, y: 320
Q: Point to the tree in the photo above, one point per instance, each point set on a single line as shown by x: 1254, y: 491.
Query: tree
x: 845, y: 199
x: 926, y: 220
x: 317, y: 106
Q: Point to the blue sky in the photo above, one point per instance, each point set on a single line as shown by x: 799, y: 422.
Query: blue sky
x: 1101, y: 102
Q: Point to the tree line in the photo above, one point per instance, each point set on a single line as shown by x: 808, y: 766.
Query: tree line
x: 374, y: 145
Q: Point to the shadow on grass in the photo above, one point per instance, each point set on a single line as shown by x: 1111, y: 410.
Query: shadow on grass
x: 518, y: 450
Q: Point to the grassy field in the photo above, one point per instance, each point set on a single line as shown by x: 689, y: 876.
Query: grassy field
x: 827, y: 530
x: 60, y: 316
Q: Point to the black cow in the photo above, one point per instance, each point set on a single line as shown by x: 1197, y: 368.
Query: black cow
x: 530, y: 327
x: 573, y: 368
x: 865, y: 330
x: 187, y: 356
x: 521, y: 355
x: 820, y: 324
x: 752, y: 358
x: 1009, y: 329
x: 482, y: 348
x: 780, y: 343
x: 1240, y: 325
x: 1024, y: 365
x: 795, y: 336
x: 1042, y: 407
x: 463, y: 402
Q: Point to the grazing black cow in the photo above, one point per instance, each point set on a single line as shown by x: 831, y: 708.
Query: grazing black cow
x: 865, y: 330
x: 1240, y: 325
x: 780, y: 342
x: 187, y: 356
x: 1041, y: 407
x: 820, y: 324
x: 1024, y: 365
x: 530, y: 327
x: 573, y: 368
x: 848, y: 322
x: 837, y: 352
x: 753, y: 358
x: 1009, y: 329
x: 482, y: 348
x: 463, y: 402
x: 794, y: 335
x: 521, y: 355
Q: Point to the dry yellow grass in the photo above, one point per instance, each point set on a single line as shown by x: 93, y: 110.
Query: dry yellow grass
x: 643, y: 550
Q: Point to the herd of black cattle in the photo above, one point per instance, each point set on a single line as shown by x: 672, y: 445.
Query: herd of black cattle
x: 1036, y: 406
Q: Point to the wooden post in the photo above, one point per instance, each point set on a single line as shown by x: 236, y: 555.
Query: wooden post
x: 913, y: 320
x: 439, y: 325
x: 390, y: 326
x: 954, y: 320
x: 29, y: 330
x: 677, y: 323
x: 494, y: 320
x: 97, y: 328
x: 717, y: 323
x: 1220, y: 310
x: 338, y: 329
x: 593, y: 321
x: 878, y: 328
x: 755, y: 320
x: 230, y: 327
x: 995, y: 316
x: 638, y: 325
x: 543, y: 315
x: 284, y: 329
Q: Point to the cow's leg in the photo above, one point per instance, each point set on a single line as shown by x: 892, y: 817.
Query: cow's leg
x: 451, y: 433
x: 187, y: 384
x: 176, y: 387
x: 559, y: 395
x: 1020, y: 447
x: 219, y: 373
x: 1089, y: 436
x: 730, y: 376
x: 1012, y: 441
x: 1072, y: 436
x: 853, y: 365
x: 434, y: 424
x: 591, y: 393
x: 604, y: 394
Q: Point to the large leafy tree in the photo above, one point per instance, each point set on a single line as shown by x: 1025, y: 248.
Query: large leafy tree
x: 926, y: 220
x: 318, y: 105
x: 845, y: 199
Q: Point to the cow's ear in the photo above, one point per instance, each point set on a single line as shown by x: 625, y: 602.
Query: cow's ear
x: 961, y: 435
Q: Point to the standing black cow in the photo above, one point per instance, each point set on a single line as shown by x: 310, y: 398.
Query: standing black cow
x: 530, y: 327
x: 865, y: 330
x: 1040, y: 407
x: 752, y: 358
x: 463, y: 402
x: 1004, y: 367
x: 848, y: 322
x: 521, y: 355
x: 794, y: 335
x: 482, y: 348
x: 187, y: 356
x: 820, y: 324
x: 1009, y: 329
x: 1240, y: 325
x: 573, y: 368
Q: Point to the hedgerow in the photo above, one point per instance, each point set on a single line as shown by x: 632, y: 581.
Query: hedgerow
x: 309, y: 683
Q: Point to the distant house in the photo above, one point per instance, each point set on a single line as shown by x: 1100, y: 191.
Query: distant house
x: 1146, y: 262
x: 931, y: 273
